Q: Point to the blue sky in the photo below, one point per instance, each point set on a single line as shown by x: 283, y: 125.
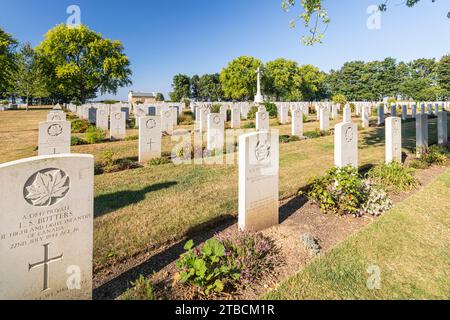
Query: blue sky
x: 163, y: 38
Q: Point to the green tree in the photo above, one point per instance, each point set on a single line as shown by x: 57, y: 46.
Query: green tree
x: 82, y: 63
x: 160, y: 97
x: 195, y: 87
x: 312, y: 85
x: 443, y: 75
x: 210, y: 88
x: 29, y: 78
x: 282, y: 80
x: 181, y: 87
x: 7, y: 61
x: 239, y: 78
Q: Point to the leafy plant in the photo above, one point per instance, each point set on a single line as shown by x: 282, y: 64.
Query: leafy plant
x: 340, y: 191
x: 158, y: 161
x: 377, y: 200
x: 94, y: 135
x: 339, y: 99
x: 436, y: 155
x: 271, y: 108
x: 288, y: 138
x: 77, y: 141
x: 316, y: 134
x: 205, y: 268
x: 186, y: 118
x: 250, y: 125
x: 252, y: 113
x: 253, y: 254
x: 393, y: 176
x: 80, y: 126
x: 132, y: 138
x: 142, y: 290
x: 311, y: 243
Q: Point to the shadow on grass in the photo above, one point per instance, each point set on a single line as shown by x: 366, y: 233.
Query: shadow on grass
x: 199, y: 234
x: 110, y: 202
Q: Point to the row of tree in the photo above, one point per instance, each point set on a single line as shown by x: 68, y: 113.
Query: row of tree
x: 71, y: 64
x: 285, y: 80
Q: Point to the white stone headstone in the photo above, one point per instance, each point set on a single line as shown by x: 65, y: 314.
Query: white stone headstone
x: 284, y: 114
x: 149, y: 138
x: 365, y: 116
x: 46, y: 228
x: 102, y: 119
x: 258, y: 180
x: 393, y: 140
x: 347, y: 114
x: 235, y: 118
x: 324, y: 119
x: 442, y: 125
x: 297, y: 122
x: 215, y: 132
x: 380, y: 115
x: 346, y: 145
x: 421, y: 134
x: 262, y: 121
x: 118, y: 125
x: 54, y: 137
x: 167, y: 120
x: 56, y: 115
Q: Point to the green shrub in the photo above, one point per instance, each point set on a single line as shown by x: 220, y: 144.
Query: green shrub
x: 316, y: 134
x: 305, y: 118
x: 340, y: 191
x: 250, y: 125
x: 80, y: 126
x: 132, y: 138
x: 142, y: 290
x: 109, y: 164
x: 228, y: 115
x: 206, y: 268
x: 158, y: 161
x: 131, y: 123
x: 253, y: 254
x: 339, y: 99
x: 311, y: 243
x: 94, y: 135
x: 215, y: 108
x: 271, y: 108
x: 377, y: 201
x: 186, y: 118
x: 77, y: 141
x: 287, y: 138
x: 393, y: 176
x: 436, y: 155
x: 252, y: 113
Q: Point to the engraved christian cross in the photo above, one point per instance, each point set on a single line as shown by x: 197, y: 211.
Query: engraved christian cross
x: 46, y: 262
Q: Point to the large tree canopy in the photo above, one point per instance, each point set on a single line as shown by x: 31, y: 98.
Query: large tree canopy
x: 283, y: 80
x: 239, y: 78
x: 181, y: 87
x: 29, y: 79
x: 82, y: 63
x: 7, y: 61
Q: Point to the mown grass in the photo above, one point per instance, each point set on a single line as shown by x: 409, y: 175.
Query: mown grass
x: 409, y: 245
x: 143, y: 208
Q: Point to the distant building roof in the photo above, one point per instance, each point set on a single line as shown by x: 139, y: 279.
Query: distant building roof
x: 142, y: 94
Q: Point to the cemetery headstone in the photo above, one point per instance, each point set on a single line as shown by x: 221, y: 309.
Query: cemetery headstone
x: 258, y: 180
x: 393, y: 140
x: 149, y: 138
x: 421, y: 134
x: 117, y: 126
x: 215, y: 132
x: 442, y: 125
x: 54, y: 137
x: 46, y: 228
x: 346, y: 145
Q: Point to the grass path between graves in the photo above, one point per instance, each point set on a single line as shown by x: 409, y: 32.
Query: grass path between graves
x: 410, y: 245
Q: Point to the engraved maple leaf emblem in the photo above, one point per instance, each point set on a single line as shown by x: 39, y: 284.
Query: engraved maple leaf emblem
x: 47, y: 187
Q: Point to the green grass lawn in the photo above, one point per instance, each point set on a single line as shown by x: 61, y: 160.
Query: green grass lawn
x: 410, y: 245
x: 143, y: 208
